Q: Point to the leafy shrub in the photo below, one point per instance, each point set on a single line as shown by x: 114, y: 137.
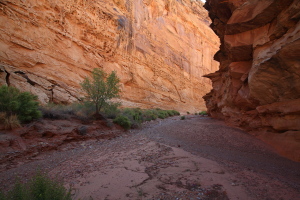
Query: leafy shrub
x: 196, y: 113
x: 40, y: 187
x: 203, y: 113
x: 136, y: 115
x: 22, y: 104
x: 149, y: 115
x: 28, y: 109
x: 170, y: 113
x: 123, y: 121
x: 175, y: 112
x: 162, y: 114
x: 182, y: 118
x: 101, y: 88
x: 111, y: 110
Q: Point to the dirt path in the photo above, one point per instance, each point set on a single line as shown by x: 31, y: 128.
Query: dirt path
x: 196, y: 158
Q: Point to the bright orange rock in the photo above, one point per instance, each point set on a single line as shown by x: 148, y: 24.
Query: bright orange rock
x: 160, y: 49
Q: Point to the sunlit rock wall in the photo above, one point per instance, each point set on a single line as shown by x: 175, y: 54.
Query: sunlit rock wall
x: 160, y: 49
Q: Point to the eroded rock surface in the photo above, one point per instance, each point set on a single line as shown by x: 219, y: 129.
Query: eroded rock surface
x: 258, y: 86
x: 48, y: 134
x: 160, y: 49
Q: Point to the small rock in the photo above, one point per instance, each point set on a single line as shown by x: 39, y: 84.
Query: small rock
x: 82, y: 130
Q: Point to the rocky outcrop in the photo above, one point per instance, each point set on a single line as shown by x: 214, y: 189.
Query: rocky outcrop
x: 160, y: 49
x: 50, y: 134
x: 258, y: 84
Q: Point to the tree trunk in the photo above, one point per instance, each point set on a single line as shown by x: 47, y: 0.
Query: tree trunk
x: 97, y: 114
x: 97, y: 109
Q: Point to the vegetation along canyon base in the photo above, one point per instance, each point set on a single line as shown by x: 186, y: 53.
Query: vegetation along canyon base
x: 149, y: 99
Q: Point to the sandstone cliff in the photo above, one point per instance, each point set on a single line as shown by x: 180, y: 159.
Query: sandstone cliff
x: 160, y: 49
x: 258, y: 84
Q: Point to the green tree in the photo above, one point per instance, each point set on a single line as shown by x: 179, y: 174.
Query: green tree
x: 22, y: 104
x: 101, y: 88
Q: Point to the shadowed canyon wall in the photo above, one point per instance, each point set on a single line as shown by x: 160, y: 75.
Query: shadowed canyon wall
x: 258, y: 84
x: 160, y: 49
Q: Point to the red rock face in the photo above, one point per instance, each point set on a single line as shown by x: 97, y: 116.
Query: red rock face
x: 159, y: 49
x: 258, y: 84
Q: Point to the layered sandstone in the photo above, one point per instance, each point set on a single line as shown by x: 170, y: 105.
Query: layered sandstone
x: 160, y: 49
x: 257, y: 86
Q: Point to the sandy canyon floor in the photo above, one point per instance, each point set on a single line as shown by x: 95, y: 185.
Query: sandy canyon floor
x: 196, y: 158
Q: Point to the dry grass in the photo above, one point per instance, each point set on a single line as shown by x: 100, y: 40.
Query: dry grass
x: 2, y: 117
x: 11, y: 122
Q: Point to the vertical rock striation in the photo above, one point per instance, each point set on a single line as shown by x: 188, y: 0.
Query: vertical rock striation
x: 160, y: 49
x: 257, y: 86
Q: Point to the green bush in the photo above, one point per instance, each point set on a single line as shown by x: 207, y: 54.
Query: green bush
x: 203, y: 113
x: 111, y: 110
x: 28, y: 109
x: 170, y: 113
x: 136, y: 115
x: 101, y: 88
x: 123, y: 121
x: 176, y: 112
x: 182, y: 118
x: 162, y: 114
x: 40, y: 187
x: 22, y: 104
x: 149, y: 115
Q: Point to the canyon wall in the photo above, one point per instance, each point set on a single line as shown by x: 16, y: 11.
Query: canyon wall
x: 257, y: 86
x: 159, y: 49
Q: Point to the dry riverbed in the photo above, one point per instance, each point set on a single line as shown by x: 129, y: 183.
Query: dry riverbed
x: 196, y: 158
